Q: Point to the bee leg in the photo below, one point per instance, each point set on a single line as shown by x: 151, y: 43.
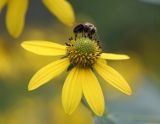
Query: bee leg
x: 76, y: 36
x: 67, y: 44
x: 71, y: 38
x: 90, y: 36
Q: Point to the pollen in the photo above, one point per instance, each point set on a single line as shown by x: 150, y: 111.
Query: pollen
x: 83, y: 52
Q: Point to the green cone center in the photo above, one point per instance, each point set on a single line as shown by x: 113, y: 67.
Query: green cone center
x: 85, y: 45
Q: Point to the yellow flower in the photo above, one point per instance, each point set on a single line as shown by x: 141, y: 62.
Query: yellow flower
x: 81, y: 57
x: 16, y: 12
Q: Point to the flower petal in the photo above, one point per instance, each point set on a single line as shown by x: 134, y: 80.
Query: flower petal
x: 113, y: 56
x: 93, y: 92
x: 113, y: 77
x: 62, y: 10
x: 2, y: 4
x: 15, y: 17
x: 44, y: 48
x: 72, y: 90
x: 47, y: 73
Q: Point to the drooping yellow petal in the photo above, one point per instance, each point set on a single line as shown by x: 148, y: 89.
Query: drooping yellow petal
x: 93, y: 92
x: 44, y: 48
x: 112, y: 56
x: 72, y: 90
x: 15, y: 17
x: 113, y: 77
x: 47, y: 73
x: 2, y: 4
x: 62, y: 10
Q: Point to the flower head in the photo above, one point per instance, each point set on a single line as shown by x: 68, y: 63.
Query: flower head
x: 17, y: 9
x: 81, y: 56
x: 83, y: 52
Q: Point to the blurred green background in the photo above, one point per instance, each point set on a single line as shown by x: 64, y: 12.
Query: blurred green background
x: 124, y: 26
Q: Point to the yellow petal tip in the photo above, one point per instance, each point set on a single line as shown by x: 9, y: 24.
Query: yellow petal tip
x: 126, y: 57
x: 23, y: 44
x: 129, y: 93
x: 30, y: 88
x: 14, y: 35
x: 68, y: 112
x: 99, y: 111
x: 100, y: 114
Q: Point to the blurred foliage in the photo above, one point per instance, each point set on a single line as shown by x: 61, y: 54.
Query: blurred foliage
x: 156, y: 2
x: 33, y: 111
x: 141, y: 108
x: 126, y: 26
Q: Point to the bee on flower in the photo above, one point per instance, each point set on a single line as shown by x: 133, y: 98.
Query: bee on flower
x: 81, y: 57
x: 17, y: 10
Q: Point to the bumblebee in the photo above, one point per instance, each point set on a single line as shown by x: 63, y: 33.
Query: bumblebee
x: 86, y: 29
